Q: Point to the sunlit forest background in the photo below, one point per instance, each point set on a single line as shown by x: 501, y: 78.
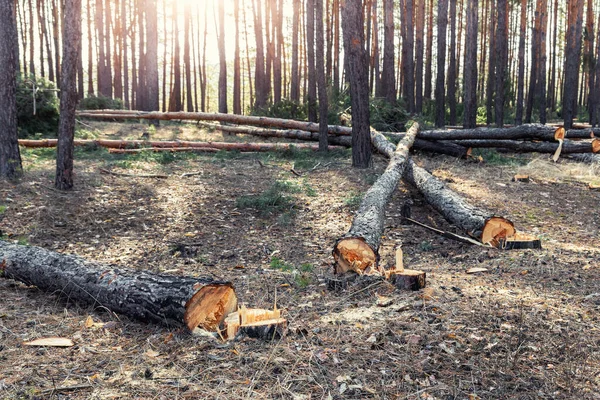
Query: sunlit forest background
x: 262, y: 53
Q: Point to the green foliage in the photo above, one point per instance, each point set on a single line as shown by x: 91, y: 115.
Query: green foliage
x: 45, y: 120
x: 353, y: 200
x: 302, y: 274
x: 492, y: 157
x: 274, y: 199
x: 2, y: 209
x: 309, y: 190
x: 387, y: 117
x: 93, y: 102
x: 286, y: 109
x: 279, y: 264
x: 426, y: 246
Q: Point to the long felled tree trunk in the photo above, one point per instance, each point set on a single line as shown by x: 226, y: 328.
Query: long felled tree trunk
x: 358, y: 249
x: 171, y: 300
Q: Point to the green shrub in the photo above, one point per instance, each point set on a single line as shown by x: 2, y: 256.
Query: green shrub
x: 45, y: 120
x: 93, y: 102
x: 286, y: 109
x: 274, y: 199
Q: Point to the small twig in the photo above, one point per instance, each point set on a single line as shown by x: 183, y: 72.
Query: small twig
x: 186, y: 174
x: 293, y: 171
x: 261, y: 163
x: 67, y: 388
x: 105, y: 171
x: 445, y: 234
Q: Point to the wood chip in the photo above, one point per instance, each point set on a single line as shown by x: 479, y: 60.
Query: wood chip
x: 50, y: 342
x: 477, y: 270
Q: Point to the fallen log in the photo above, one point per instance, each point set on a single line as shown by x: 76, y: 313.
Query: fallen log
x: 568, y: 147
x: 479, y: 224
x: 200, y: 116
x: 358, y: 249
x: 226, y: 146
x: 129, y: 145
x: 520, y: 132
x: 167, y: 299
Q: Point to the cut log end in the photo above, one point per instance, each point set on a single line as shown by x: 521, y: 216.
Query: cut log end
x: 520, y: 178
x: 497, y: 229
x: 209, y: 307
x: 521, y: 241
x: 407, y: 279
x: 559, y: 133
x: 353, y: 254
x: 255, y: 323
x: 596, y: 145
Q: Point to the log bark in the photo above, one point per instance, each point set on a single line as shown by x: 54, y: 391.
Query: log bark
x: 358, y: 249
x: 479, y: 224
x: 230, y: 118
x: 171, y: 300
x: 523, y: 132
x: 568, y: 147
x: 173, y: 145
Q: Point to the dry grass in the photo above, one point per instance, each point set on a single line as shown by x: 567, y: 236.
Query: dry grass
x: 529, y: 328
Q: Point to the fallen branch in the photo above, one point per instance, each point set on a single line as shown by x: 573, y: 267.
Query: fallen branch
x: 358, y: 249
x: 159, y: 176
x: 520, y: 132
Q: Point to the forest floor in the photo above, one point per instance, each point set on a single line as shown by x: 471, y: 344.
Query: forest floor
x: 527, y: 328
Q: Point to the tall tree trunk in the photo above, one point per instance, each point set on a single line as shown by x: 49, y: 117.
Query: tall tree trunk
x: 90, y: 53
x: 554, y: 47
x: 429, y: 52
x: 534, y: 68
x: 259, y: 72
x: 572, y: 60
x: 589, y: 62
x: 419, y: 53
x: 251, y: 102
x: 10, y: 157
x: 502, y: 60
x: 470, y: 66
x: 356, y: 62
x: 521, y: 74
x: 222, y: 61
x: 543, y: 58
x: 322, y: 82
x: 237, y: 100
x: 491, y: 80
x: 440, y: 88
x: 124, y: 35
x: 151, y: 64
x: 452, y: 65
x: 176, y: 92
x: 32, y: 39
x: 107, y: 39
x: 336, y: 46
x: 117, y: 53
x: 187, y: 60
x: 68, y: 95
x: 277, y: 21
x: 295, y: 81
x: 310, y: 59
x: 142, y: 88
x: 409, y: 61
x: 56, y: 38
x: 388, y: 81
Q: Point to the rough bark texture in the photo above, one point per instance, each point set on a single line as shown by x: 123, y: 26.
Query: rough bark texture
x: 10, y: 158
x: 568, y: 147
x: 222, y: 61
x: 68, y: 95
x: 349, y: 252
x: 470, y: 66
x: 356, y: 66
x: 171, y: 300
x: 528, y: 131
x: 455, y: 209
x: 440, y: 82
x: 572, y: 60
